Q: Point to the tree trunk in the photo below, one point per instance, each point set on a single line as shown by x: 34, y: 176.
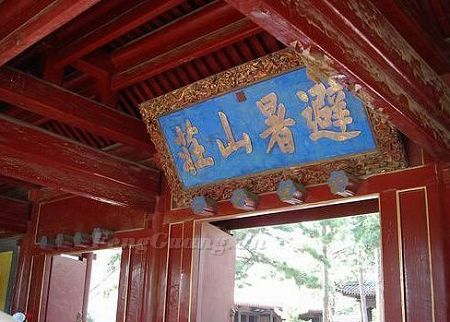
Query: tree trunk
x: 380, y: 288
x: 362, y: 295
x: 326, y: 298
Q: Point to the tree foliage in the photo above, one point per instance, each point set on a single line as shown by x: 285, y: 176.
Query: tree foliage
x: 329, y: 243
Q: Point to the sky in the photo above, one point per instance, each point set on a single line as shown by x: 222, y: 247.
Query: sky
x: 102, y: 306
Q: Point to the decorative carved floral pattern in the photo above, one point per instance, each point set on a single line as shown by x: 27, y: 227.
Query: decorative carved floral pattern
x: 390, y: 154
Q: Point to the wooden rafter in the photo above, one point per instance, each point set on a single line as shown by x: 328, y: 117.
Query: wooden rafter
x: 430, y: 49
x: 138, y: 13
x: 196, y: 48
x: 33, y: 155
x: 195, y: 25
x: 57, y: 103
x: 29, y: 21
x: 361, y: 44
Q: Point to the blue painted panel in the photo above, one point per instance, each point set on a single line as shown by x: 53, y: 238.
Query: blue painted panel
x: 338, y: 127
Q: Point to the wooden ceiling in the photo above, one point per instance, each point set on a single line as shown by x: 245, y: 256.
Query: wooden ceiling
x: 79, y: 70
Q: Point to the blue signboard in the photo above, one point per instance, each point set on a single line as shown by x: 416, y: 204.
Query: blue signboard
x: 277, y: 123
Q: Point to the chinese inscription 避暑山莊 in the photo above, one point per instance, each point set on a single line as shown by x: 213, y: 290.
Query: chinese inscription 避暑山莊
x: 285, y: 121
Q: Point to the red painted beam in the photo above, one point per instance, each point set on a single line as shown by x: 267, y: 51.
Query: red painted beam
x: 33, y: 155
x: 294, y: 216
x: 14, y: 214
x: 430, y: 48
x: 97, y: 65
x: 57, y: 103
x: 196, y: 48
x: 32, y: 21
x: 362, y: 45
x: 138, y: 13
x: 197, y: 24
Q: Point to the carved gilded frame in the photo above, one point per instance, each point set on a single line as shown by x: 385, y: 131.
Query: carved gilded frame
x: 389, y: 155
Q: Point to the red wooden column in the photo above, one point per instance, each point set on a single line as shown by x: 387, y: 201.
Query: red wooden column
x: 392, y: 258
x: 414, y: 217
x: 32, y: 272
x: 20, y: 296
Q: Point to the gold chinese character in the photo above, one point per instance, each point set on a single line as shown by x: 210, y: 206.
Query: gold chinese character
x: 233, y: 145
x: 190, y: 147
x: 328, y: 108
x: 278, y: 126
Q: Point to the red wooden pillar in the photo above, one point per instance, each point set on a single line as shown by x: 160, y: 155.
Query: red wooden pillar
x: 392, y: 258
x: 24, y: 270
x: 414, y: 217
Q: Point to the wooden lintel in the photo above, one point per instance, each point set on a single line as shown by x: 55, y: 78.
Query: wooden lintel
x: 33, y: 155
x: 316, y: 213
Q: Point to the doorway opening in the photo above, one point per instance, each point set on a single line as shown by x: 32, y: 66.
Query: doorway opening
x: 84, y: 287
x: 319, y: 271
x: 318, y: 264
x: 104, y: 285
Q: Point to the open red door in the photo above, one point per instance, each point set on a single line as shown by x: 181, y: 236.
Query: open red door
x: 216, y: 275
x: 66, y: 291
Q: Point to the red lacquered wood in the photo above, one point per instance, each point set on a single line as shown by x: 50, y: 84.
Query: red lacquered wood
x: 188, y: 51
x: 186, y: 269
x: 318, y: 28
x: 22, y: 282
x: 439, y: 256
x: 316, y: 213
x: 97, y: 65
x: 414, y: 154
x: 66, y: 290
x: 53, y: 102
x: 195, y: 264
x: 174, y: 274
x: 392, y: 259
x: 445, y: 204
x: 78, y: 214
x: 45, y: 287
x: 34, y: 25
x: 14, y: 214
x: 36, y: 156
x: 37, y: 278
x: 136, y: 284
x: 156, y: 268
x: 199, y: 23
x: 418, y: 284
x: 152, y: 260
x: 161, y: 274
x: 138, y: 13
x: 428, y: 47
x: 121, y: 312
x: 403, y: 179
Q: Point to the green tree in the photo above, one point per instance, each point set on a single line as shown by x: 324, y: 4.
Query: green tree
x: 365, y: 231
x: 324, y: 231
x: 353, y: 241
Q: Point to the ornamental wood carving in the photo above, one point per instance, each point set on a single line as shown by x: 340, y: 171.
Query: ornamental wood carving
x: 389, y: 154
